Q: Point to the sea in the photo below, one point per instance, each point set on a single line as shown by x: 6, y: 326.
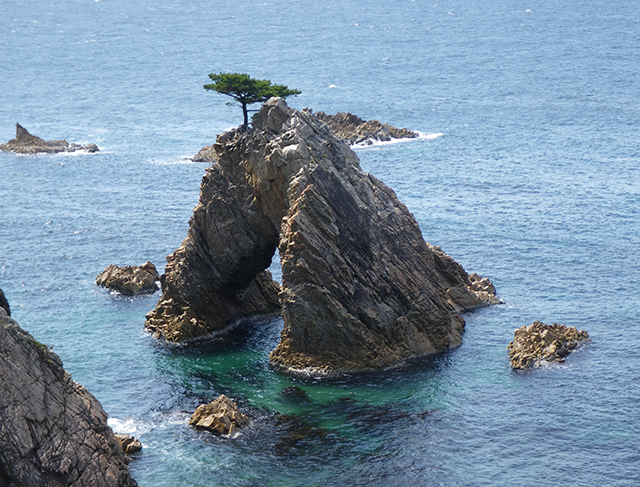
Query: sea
x: 527, y: 172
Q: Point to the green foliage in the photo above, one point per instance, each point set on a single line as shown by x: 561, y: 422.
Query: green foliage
x: 247, y: 90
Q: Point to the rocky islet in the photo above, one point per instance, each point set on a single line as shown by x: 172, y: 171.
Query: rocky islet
x: 130, y: 280
x: 539, y: 342
x: 25, y: 143
x: 361, y: 289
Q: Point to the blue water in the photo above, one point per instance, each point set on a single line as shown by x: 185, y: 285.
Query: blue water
x: 534, y: 183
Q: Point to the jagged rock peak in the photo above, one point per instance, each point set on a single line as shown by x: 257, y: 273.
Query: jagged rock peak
x: 25, y: 143
x: 361, y: 289
x: 53, y: 432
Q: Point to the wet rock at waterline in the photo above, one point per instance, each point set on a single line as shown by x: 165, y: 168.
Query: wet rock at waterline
x: 221, y: 416
x: 538, y: 342
x: 128, y: 443
x: 361, y: 289
x: 25, y: 143
x: 355, y: 130
x: 130, y: 280
x: 53, y: 432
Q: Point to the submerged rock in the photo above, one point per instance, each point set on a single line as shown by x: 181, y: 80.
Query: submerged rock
x: 25, y: 143
x: 539, y: 342
x: 53, y: 432
x: 357, y: 131
x: 130, y: 280
x: 221, y: 416
x: 360, y: 288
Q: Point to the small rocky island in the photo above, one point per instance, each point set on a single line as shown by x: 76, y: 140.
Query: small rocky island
x: 221, y: 416
x: 130, y: 280
x: 25, y: 143
x: 361, y: 289
x: 539, y: 343
x: 53, y: 432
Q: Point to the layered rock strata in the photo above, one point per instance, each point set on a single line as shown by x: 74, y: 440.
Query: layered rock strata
x: 538, y: 342
x: 53, y: 432
x: 130, y: 280
x: 355, y: 130
x: 25, y: 143
x: 221, y: 416
x: 360, y: 289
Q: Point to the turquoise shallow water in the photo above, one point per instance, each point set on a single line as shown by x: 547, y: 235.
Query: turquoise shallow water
x: 534, y: 182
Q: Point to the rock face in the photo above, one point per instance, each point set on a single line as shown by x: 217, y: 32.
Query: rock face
x: 53, y: 432
x: 360, y: 289
x: 357, y: 131
x: 25, y: 143
x: 539, y: 342
x: 4, y: 304
x: 220, y: 416
x: 130, y: 280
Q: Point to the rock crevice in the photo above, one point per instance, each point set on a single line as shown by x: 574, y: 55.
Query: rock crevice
x: 360, y: 287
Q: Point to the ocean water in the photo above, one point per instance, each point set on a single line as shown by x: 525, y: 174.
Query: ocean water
x: 533, y: 181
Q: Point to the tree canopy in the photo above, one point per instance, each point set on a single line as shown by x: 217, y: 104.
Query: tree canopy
x: 246, y: 90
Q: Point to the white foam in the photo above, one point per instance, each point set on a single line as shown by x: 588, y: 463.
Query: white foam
x: 378, y: 143
x: 129, y: 426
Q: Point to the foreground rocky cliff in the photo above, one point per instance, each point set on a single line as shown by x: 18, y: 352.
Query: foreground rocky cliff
x: 53, y: 432
x: 360, y: 288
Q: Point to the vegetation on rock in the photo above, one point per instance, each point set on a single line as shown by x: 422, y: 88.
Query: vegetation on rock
x: 246, y: 90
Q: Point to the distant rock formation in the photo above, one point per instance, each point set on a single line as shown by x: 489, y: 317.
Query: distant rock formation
x: 130, y: 280
x: 25, y: 143
x: 53, y: 432
x: 357, y: 131
x: 361, y: 289
x: 220, y: 416
x: 538, y: 342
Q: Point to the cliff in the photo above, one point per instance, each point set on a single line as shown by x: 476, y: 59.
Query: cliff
x: 53, y: 432
x: 360, y: 288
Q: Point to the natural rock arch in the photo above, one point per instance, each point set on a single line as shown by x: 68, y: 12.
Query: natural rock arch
x: 360, y: 287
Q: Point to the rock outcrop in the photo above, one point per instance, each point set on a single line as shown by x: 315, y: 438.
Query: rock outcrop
x: 25, y: 143
x: 538, y: 342
x: 221, y: 416
x: 128, y: 443
x: 4, y: 304
x: 206, y: 154
x: 53, y: 432
x: 360, y: 289
x: 357, y: 131
x: 130, y: 280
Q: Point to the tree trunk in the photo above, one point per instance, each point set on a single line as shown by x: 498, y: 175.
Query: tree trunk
x: 246, y: 115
